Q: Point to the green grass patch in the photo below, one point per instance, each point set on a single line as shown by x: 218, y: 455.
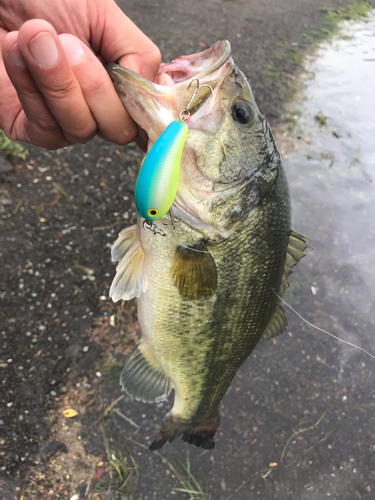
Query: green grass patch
x: 356, y: 9
x: 321, y: 118
x: 190, y: 484
x: 287, y: 57
x: 121, y: 476
x: 12, y: 148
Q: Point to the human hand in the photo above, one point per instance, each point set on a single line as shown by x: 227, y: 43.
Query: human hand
x: 55, y: 91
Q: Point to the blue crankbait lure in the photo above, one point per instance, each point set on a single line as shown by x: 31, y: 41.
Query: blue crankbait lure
x: 158, y: 177
x: 157, y: 181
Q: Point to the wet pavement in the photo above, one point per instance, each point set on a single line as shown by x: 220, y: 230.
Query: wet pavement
x: 305, y: 402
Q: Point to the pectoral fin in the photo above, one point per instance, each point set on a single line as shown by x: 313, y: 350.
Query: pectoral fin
x: 142, y: 377
x: 130, y: 280
x: 194, y: 271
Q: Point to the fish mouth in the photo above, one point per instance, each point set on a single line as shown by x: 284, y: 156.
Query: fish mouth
x: 154, y: 105
x: 197, y: 65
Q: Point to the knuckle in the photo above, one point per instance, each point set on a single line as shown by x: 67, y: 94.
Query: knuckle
x: 96, y: 85
x: 125, y: 137
x: 52, y: 139
x: 81, y: 135
x: 61, y: 91
x: 48, y: 126
x: 87, y: 132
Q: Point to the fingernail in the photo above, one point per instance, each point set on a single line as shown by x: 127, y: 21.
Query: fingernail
x: 16, y: 56
x: 44, y: 50
x: 72, y: 47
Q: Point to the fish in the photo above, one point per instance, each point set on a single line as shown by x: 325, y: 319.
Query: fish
x: 209, y: 289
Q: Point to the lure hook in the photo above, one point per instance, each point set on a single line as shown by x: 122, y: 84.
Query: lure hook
x: 151, y: 226
x: 185, y: 113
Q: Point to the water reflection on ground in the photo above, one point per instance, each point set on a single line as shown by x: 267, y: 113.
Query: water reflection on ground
x: 298, y: 419
x: 332, y: 180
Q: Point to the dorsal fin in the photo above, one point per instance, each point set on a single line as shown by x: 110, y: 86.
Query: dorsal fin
x: 130, y: 280
x: 194, y: 271
x: 142, y: 377
x: 296, y: 247
x: 296, y: 250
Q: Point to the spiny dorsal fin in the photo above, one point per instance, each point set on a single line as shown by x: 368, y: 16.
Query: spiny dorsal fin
x: 296, y: 250
x: 143, y: 379
x: 130, y: 280
x: 276, y: 325
x: 194, y: 271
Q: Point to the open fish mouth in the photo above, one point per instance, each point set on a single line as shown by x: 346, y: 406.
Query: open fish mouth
x: 197, y: 66
x: 219, y: 162
x: 154, y: 105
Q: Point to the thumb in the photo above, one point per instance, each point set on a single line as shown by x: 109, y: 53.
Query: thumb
x: 118, y: 39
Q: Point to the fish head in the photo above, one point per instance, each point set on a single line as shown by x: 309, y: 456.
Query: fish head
x: 230, y: 161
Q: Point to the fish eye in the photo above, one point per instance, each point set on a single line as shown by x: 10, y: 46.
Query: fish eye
x: 152, y: 212
x: 243, y: 112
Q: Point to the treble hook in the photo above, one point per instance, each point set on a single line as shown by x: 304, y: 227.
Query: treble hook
x: 151, y: 226
x: 185, y: 113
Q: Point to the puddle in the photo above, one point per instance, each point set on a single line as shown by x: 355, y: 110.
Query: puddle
x: 332, y: 171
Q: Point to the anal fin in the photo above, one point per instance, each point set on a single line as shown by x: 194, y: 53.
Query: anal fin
x: 142, y: 377
x: 130, y: 280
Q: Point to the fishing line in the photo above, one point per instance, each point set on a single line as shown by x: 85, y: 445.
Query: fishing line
x: 321, y: 329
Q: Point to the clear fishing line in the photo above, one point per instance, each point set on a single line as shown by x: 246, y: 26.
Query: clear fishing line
x: 321, y: 329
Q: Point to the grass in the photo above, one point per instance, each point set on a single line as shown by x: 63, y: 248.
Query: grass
x: 301, y: 431
x: 12, y: 148
x: 356, y: 9
x: 122, y: 478
x: 287, y: 57
x: 190, y: 484
x: 321, y: 118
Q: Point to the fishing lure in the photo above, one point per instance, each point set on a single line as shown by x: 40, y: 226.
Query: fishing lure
x: 158, y: 177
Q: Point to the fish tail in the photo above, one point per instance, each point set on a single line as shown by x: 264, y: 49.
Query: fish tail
x: 200, y: 434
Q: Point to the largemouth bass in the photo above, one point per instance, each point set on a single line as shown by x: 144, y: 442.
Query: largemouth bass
x: 206, y: 288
